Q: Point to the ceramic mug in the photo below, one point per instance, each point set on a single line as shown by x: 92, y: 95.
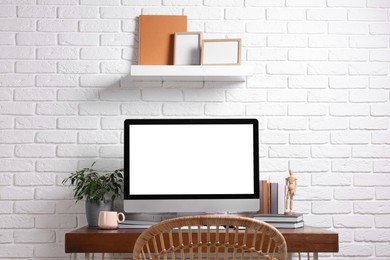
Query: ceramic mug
x: 110, y: 219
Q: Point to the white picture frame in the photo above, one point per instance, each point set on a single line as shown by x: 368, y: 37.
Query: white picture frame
x: 187, y: 48
x: 221, y: 52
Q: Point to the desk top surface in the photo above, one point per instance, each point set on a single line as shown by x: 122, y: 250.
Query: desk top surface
x: 91, y: 239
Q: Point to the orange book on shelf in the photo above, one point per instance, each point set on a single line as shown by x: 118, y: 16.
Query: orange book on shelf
x: 265, y: 206
x: 156, y: 38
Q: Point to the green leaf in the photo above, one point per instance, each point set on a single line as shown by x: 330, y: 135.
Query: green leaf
x: 93, y: 185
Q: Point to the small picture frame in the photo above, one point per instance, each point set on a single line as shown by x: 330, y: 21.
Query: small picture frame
x: 221, y: 52
x: 187, y: 48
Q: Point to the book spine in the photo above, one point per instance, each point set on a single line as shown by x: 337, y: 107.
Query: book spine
x: 261, y: 208
x: 265, y: 197
x: 279, y: 220
x: 287, y: 225
x: 281, y: 198
x: 274, y: 198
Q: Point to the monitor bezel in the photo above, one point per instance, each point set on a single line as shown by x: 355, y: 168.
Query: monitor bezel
x: 246, y: 121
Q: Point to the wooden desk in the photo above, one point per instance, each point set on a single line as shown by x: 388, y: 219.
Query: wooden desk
x: 92, y: 240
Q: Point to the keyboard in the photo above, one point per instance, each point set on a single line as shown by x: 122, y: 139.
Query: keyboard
x: 139, y: 224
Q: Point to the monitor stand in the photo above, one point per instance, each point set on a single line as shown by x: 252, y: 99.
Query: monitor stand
x: 148, y: 217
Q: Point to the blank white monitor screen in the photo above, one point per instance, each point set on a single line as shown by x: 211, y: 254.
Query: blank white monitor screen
x: 210, y: 163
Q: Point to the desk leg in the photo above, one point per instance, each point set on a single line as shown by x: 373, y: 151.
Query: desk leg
x: 315, y: 256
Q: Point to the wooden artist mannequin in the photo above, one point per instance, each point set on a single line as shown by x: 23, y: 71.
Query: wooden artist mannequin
x: 291, y: 185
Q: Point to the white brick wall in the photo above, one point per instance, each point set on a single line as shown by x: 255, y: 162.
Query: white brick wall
x: 321, y: 92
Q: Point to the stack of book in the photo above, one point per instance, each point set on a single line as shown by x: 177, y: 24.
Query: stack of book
x: 281, y: 220
x: 272, y: 206
x: 272, y: 197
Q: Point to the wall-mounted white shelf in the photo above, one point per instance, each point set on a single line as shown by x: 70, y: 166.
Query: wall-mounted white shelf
x: 190, y: 73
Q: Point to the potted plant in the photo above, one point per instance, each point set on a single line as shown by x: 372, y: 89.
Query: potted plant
x: 99, y: 189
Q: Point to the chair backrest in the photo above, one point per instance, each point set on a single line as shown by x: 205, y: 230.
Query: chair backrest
x: 210, y: 237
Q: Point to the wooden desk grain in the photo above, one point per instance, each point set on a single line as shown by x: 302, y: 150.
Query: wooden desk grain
x: 92, y: 240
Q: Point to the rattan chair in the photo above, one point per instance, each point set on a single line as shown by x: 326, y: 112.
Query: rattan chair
x: 210, y: 237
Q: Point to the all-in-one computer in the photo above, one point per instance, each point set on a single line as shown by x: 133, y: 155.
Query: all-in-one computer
x: 191, y: 165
